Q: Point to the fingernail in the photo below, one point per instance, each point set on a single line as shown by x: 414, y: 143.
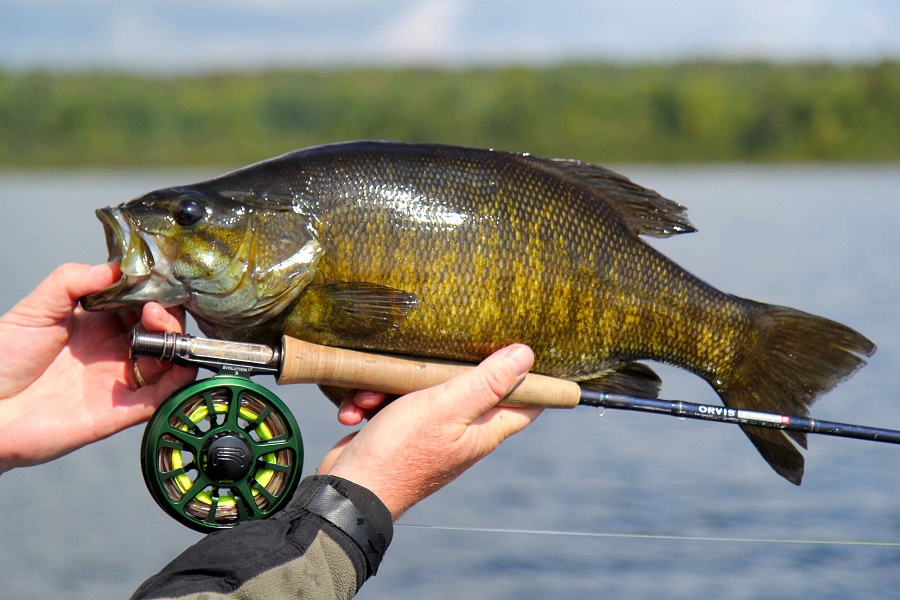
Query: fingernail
x: 96, y: 270
x: 520, y: 357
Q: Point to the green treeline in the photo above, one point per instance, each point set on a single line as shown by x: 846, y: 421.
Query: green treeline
x: 599, y: 112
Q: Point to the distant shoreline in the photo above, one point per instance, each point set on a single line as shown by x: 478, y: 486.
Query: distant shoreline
x: 694, y: 112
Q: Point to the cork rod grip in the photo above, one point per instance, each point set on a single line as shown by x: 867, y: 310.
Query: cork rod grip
x: 303, y: 362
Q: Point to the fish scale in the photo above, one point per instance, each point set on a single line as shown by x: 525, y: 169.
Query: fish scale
x: 451, y: 252
x: 471, y: 254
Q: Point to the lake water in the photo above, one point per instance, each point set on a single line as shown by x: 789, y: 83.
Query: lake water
x: 685, y: 509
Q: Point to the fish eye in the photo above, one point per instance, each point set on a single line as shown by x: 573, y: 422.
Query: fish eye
x: 187, y: 211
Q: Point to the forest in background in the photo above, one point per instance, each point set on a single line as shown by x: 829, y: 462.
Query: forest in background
x: 690, y: 112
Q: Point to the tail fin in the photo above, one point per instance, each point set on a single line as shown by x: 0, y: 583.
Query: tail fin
x: 797, y: 358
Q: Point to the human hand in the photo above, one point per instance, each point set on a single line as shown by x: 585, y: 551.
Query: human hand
x: 65, y: 376
x: 422, y: 441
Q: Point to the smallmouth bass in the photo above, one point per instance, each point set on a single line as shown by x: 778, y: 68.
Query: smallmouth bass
x: 451, y: 252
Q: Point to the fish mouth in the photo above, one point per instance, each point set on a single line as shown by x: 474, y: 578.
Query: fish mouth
x: 143, y: 263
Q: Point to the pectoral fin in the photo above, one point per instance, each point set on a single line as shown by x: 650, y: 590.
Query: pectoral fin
x: 355, y: 309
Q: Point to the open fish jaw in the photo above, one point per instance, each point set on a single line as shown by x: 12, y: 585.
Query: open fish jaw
x: 143, y: 264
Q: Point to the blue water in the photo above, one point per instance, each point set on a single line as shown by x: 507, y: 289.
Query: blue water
x: 664, y: 494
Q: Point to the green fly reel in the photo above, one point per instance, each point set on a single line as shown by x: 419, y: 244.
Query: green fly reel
x: 222, y: 451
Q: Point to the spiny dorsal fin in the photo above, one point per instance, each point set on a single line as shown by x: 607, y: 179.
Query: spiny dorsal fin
x: 644, y: 211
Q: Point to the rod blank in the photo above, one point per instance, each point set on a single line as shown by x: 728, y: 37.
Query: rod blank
x: 721, y: 414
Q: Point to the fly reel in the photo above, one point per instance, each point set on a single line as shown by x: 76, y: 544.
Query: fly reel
x: 221, y: 451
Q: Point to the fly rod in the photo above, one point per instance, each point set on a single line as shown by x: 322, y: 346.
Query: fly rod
x: 296, y: 361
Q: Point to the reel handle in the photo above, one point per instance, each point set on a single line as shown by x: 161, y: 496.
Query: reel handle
x: 303, y: 362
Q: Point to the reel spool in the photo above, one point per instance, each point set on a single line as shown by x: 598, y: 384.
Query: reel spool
x: 221, y: 451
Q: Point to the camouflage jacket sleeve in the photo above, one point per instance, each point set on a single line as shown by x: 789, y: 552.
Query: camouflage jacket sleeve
x: 294, y: 554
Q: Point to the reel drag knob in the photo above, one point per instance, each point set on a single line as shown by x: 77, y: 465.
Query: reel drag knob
x: 221, y: 451
x: 227, y: 458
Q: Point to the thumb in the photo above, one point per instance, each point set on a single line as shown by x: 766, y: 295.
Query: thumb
x: 469, y: 395
x: 57, y: 295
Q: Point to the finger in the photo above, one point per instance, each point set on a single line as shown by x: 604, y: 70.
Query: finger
x: 57, y: 295
x: 361, y: 405
x: 137, y: 406
x: 369, y: 400
x: 501, y: 422
x: 349, y: 413
x: 156, y: 318
x: 80, y: 280
x: 150, y: 371
x: 469, y: 395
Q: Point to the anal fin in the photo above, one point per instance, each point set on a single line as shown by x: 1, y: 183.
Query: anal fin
x: 629, y: 379
x: 336, y: 394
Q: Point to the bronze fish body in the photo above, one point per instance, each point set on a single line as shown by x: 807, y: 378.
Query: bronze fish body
x: 453, y: 252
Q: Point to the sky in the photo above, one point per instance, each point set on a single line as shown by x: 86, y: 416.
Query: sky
x: 203, y: 35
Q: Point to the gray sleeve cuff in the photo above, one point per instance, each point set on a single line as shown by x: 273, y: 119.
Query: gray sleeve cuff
x: 352, y: 509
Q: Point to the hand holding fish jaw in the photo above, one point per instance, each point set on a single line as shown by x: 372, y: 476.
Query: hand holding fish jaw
x: 422, y: 441
x: 65, y: 376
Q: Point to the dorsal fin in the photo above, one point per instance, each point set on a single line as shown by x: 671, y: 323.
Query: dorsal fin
x: 644, y: 211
